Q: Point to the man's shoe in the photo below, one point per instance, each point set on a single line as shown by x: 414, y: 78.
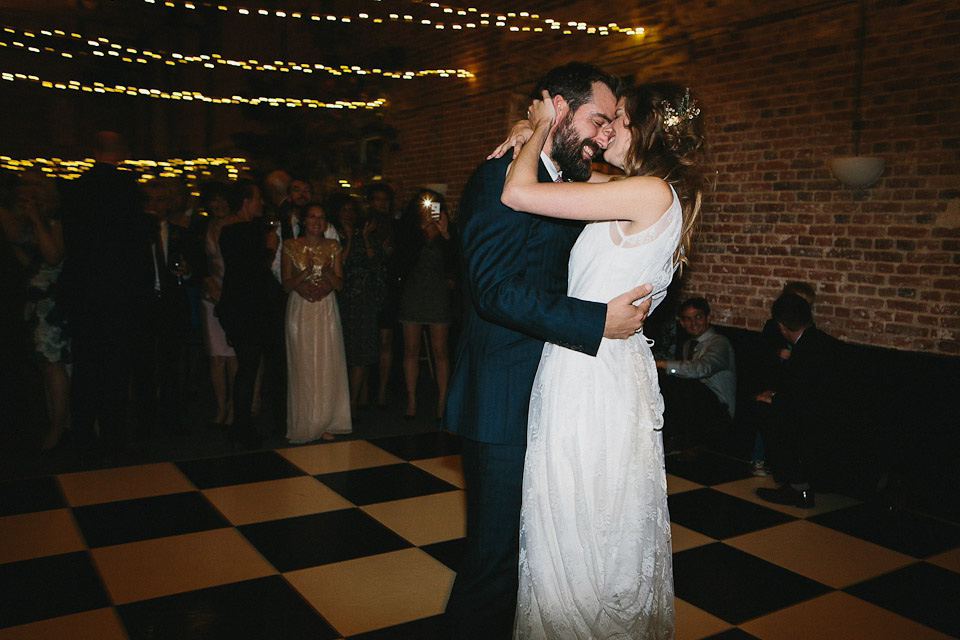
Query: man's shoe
x: 787, y: 495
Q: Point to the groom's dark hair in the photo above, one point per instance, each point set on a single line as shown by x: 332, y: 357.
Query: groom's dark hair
x: 574, y: 81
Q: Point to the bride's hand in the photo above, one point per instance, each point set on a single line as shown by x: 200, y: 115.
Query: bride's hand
x: 519, y: 134
x: 542, y: 111
x: 539, y: 111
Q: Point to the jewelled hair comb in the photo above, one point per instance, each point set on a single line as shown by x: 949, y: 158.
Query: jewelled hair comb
x: 687, y: 110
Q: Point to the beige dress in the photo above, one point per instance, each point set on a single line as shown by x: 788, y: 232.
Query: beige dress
x: 318, y: 396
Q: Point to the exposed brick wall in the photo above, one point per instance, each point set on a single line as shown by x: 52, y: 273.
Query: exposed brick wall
x: 775, y: 82
x: 777, y: 92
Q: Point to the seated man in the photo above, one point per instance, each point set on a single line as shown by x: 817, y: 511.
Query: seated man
x: 776, y: 352
x: 699, y: 390
x: 776, y: 347
x: 808, y: 408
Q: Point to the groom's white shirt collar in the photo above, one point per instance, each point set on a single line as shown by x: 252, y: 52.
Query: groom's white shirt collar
x: 551, y: 168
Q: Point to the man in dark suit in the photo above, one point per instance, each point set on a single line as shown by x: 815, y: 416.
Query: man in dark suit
x: 107, y: 282
x: 287, y: 217
x: 809, y: 408
x: 248, y: 300
x: 515, y: 267
x: 159, y: 379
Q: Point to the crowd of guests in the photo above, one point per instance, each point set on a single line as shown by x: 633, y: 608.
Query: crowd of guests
x: 128, y: 296
x: 124, y: 294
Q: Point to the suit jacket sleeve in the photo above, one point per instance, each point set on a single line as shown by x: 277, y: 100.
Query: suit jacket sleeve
x: 494, y: 241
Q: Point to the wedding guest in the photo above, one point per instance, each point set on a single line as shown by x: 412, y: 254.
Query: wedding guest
x: 776, y: 353
x: 700, y: 388
x: 809, y: 411
x: 36, y: 236
x: 248, y: 299
x: 361, y: 297
x: 108, y: 283
x: 380, y: 209
x: 222, y: 357
x: 160, y: 373
x: 427, y: 265
x: 318, y: 394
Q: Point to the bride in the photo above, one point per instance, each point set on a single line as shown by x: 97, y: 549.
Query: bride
x: 595, y: 552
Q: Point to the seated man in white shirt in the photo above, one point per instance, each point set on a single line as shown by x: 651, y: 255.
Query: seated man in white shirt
x: 699, y: 390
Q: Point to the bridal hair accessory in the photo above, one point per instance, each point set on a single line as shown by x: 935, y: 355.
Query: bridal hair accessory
x: 687, y: 110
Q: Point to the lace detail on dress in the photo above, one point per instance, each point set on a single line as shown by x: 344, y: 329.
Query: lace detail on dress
x: 595, y: 551
x: 595, y: 559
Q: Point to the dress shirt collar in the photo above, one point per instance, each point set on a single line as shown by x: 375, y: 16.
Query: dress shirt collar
x: 703, y: 337
x: 551, y: 168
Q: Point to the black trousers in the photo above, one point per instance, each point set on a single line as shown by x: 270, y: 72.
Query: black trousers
x: 692, y: 413
x: 100, y: 386
x: 483, y: 600
x: 274, y: 385
x: 249, y: 353
x: 159, y: 391
x: 790, y: 448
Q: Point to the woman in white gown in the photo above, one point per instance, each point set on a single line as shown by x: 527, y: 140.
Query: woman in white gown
x: 595, y: 552
x: 318, y: 395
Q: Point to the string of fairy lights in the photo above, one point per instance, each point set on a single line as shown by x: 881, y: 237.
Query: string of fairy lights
x: 459, y: 18
x: 44, y: 41
x: 100, y: 46
x: 100, y: 87
x: 193, y: 170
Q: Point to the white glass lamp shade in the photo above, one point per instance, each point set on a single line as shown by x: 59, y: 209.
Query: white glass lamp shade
x: 857, y: 171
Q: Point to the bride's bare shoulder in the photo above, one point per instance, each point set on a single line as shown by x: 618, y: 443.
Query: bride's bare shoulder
x: 655, y: 192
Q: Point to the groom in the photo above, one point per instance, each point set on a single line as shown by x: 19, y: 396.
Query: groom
x: 515, y: 267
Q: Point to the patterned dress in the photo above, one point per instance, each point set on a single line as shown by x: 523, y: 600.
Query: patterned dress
x: 360, y: 301
x: 43, y: 314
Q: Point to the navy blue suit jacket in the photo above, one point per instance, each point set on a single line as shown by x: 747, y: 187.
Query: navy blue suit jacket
x: 515, y: 282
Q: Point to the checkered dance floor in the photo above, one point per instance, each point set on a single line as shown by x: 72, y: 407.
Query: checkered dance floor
x: 361, y: 539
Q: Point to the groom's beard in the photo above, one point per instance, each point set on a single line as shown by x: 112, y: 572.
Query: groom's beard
x: 567, y: 152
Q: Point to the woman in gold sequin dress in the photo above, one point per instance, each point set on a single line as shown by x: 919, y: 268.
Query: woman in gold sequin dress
x: 318, y: 395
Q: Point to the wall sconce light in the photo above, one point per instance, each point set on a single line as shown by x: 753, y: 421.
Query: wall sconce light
x: 858, y: 171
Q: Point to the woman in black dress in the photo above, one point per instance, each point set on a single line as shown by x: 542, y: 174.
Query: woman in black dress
x: 362, y: 295
x: 427, y: 262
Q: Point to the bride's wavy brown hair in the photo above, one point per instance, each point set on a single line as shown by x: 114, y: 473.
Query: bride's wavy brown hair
x: 674, y: 153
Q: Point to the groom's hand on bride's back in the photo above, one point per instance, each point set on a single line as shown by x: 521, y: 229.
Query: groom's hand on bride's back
x: 624, y: 318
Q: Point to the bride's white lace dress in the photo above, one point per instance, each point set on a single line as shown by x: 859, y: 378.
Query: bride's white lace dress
x: 595, y: 552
